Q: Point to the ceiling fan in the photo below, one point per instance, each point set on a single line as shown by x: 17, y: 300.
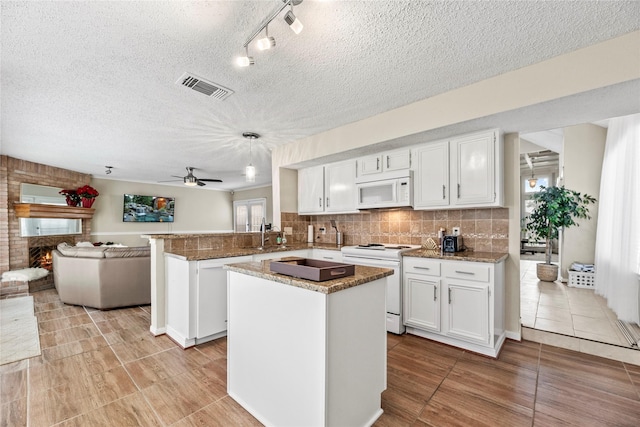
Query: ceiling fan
x: 191, y: 180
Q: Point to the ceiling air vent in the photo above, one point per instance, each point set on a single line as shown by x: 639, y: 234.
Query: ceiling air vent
x: 201, y: 85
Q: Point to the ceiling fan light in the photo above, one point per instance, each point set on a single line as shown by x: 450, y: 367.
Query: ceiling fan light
x: 250, y: 173
x: 190, y: 181
x: 294, y: 23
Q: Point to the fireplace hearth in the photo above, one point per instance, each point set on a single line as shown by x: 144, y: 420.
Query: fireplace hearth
x: 40, y: 256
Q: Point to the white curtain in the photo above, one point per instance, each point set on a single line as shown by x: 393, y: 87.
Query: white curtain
x: 618, y: 235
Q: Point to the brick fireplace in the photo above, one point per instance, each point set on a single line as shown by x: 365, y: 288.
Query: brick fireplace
x: 40, y: 256
x: 15, y: 251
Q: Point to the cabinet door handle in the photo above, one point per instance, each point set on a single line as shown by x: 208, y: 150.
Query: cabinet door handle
x: 465, y: 272
x: 458, y: 191
x: 417, y: 267
x: 387, y: 162
x: 378, y: 163
x: 435, y: 289
x: 319, y: 201
x: 327, y: 202
x: 449, y: 296
x: 444, y: 189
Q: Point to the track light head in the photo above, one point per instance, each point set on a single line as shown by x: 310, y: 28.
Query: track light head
x: 246, y: 60
x: 266, y: 42
x: 294, y: 23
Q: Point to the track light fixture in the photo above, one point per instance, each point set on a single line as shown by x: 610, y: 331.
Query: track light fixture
x: 108, y: 170
x: 269, y: 42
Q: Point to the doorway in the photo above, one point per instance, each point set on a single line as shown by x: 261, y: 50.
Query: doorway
x: 555, y: 306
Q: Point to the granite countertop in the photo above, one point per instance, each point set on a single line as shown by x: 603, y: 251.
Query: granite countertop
x: 262, y: 270
x: 492, y: 257
x: 203, y: 254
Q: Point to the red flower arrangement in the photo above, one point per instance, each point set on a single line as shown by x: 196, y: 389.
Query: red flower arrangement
x: 87, y: 192
x: 88, y: 195
x: 73, y: 199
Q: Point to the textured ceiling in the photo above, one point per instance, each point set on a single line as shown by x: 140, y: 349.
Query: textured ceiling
x: 88, y: 84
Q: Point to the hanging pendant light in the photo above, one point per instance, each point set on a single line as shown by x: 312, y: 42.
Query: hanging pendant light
x: 532, y: 181
x: 250, y: 170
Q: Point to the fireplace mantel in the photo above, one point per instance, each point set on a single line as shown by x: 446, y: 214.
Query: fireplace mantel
x: 34, y: 210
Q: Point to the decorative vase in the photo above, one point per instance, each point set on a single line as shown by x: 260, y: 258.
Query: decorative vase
x: 88, y: 202
x: 547, y: 272
x: 71, y: 201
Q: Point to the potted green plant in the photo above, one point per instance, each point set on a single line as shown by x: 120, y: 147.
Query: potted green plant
x: 554, y: 207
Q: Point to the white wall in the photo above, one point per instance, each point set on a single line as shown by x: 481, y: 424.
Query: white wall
x: 512, y: 264
x: 288, y: 190
x: 583, y: 153
x: 196, y: 210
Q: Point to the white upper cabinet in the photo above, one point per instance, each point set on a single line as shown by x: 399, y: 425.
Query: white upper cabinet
x: 311, y: 190
x: 463, y: 172
x: 340, y: 187
x: 431, y: 177
x: 384, y: 162
x: 473, y: 169
x: 327, y: 189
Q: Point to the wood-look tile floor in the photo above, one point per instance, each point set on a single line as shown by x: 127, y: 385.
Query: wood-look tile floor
x: 105, y: 369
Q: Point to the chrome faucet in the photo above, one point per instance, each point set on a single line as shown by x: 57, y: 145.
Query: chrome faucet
x: 262, y: 238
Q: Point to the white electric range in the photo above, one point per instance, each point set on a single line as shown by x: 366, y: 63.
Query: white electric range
x: 385, y: 256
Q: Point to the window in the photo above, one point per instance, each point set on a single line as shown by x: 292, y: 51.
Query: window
x: 248, y: 214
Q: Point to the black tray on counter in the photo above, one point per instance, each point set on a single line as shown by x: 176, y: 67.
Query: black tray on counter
x: 312, y: 269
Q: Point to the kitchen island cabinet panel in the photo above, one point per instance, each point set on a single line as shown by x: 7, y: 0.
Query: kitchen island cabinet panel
x: 298, y: 357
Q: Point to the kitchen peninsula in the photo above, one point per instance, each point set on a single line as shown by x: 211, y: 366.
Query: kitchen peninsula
x: 201, y: 247
x: 306, y: 353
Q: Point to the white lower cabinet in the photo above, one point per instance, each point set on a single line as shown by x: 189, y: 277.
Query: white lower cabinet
x: 468, y: 312
x: 197, y: 299
x: 422, y: 307
x: 459, y: 303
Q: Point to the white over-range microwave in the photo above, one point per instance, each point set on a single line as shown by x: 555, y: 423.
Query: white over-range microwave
x: 387, y: 190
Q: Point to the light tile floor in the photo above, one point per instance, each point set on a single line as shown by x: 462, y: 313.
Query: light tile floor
x: 556, y: 307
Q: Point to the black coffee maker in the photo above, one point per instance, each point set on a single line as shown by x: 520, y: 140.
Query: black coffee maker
x: 452, y: 244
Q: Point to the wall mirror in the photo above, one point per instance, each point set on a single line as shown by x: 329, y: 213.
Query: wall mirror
x: 42, y: 194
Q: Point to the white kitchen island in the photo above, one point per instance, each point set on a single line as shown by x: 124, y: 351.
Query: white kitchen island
x: 304, y: 353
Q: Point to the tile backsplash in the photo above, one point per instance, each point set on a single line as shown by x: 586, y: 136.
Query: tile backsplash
x: 483, y: 230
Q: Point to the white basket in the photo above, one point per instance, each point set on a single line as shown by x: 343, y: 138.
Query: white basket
x: 580, y: 279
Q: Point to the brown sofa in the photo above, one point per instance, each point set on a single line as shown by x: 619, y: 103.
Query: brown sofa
x: 103, y: 277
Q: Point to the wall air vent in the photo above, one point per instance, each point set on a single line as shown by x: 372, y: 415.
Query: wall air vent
x: 201, y: 85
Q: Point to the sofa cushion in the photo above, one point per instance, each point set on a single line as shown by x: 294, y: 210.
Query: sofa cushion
x: 81, y: 252
x: 137, y: 251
